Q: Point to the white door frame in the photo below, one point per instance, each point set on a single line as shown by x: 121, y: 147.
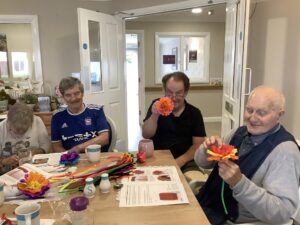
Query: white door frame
x: 167, y: 8
x: 113, y: 93
x: 141, y: 69
x: 235, y: 60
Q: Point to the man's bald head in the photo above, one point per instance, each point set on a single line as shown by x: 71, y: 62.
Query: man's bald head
x: 274, y: 97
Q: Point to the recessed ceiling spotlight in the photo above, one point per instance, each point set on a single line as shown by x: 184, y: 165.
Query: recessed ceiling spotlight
x: 210, y: 12
x: 197, y: 10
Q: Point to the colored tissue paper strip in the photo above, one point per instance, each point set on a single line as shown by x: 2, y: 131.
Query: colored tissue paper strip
x: 70, y: 182
x: 164, y: 106
x: 6, y: 221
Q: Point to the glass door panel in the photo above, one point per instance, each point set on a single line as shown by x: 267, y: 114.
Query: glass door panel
x: 95, y: 57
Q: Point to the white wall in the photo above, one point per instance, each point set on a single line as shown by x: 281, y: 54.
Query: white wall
x: 274, y: 53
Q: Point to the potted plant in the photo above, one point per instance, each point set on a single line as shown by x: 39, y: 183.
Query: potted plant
x: 29, y: 98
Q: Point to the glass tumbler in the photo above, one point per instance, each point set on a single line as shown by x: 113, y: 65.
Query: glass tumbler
x: 147, y: 146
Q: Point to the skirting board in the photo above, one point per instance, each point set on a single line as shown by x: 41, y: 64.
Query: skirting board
x: 212, y: 119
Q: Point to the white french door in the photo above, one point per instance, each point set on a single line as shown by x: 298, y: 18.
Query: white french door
x: 101, y: 43
x: 235, y: 55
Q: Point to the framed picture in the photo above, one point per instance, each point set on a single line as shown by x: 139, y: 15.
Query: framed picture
x: 193, y: 56
x: 168, y: 59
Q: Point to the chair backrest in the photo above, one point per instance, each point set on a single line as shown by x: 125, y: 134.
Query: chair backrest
x: 112, y: 134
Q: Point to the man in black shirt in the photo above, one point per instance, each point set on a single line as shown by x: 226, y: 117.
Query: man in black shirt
x: 183, y: 130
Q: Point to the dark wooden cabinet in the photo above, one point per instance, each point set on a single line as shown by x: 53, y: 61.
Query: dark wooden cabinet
x: 46, y: 117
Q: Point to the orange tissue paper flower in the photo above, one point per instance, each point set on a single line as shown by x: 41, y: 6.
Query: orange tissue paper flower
x: 222, y: 153
x: 33, y: 185
x: 164, y: 106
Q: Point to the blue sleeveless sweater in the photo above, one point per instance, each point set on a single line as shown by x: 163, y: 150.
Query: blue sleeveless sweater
x: 209, y: 195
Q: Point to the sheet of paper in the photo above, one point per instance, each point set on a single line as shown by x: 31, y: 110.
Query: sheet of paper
x: 12, y: 177
x: 150, y: 186
x: 51, y: 159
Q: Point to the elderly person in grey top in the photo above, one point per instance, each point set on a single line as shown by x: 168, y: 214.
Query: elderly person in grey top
x: 21, y: 130
x: 262, y: 185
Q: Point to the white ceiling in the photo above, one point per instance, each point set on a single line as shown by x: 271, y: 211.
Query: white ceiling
x: 186, y: 15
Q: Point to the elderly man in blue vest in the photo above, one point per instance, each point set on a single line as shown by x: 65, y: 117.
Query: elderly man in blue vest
x: 262, y: 185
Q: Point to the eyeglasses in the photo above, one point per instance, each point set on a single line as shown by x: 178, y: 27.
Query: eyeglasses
x: 174, y: 95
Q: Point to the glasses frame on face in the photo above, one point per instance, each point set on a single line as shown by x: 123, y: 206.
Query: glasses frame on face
x: 177, y: 95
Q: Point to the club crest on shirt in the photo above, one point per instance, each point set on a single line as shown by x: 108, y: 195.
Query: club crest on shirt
x: 65, y: 125
x: 88, y: 121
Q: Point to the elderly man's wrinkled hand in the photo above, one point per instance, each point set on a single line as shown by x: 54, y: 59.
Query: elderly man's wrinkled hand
x: 229, y: 172
x: 213, y: 140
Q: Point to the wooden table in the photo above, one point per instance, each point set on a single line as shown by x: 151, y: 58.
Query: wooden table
x: 106, y: 209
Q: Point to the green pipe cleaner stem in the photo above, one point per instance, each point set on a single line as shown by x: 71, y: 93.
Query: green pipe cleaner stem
x: 222, y: 198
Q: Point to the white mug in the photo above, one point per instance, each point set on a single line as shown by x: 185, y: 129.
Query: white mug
x: 28, y: 214
x: 93, y: 152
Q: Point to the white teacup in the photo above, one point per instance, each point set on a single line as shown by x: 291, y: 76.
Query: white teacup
x: 93, y: 152
x: 28, y: 214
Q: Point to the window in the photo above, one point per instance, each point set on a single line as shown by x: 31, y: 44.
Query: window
x: 20, y: 64
x: 186, y: 52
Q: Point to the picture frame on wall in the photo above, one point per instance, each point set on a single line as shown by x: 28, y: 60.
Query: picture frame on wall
x: 168, y: 59
x: 192, y: 56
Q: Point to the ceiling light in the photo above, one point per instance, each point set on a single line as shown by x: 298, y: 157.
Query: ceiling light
x: 197, y: 10
x: 210, y: 12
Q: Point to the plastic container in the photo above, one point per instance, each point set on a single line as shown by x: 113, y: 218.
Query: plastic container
x: 79, y: 215
x: 104, y: 183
